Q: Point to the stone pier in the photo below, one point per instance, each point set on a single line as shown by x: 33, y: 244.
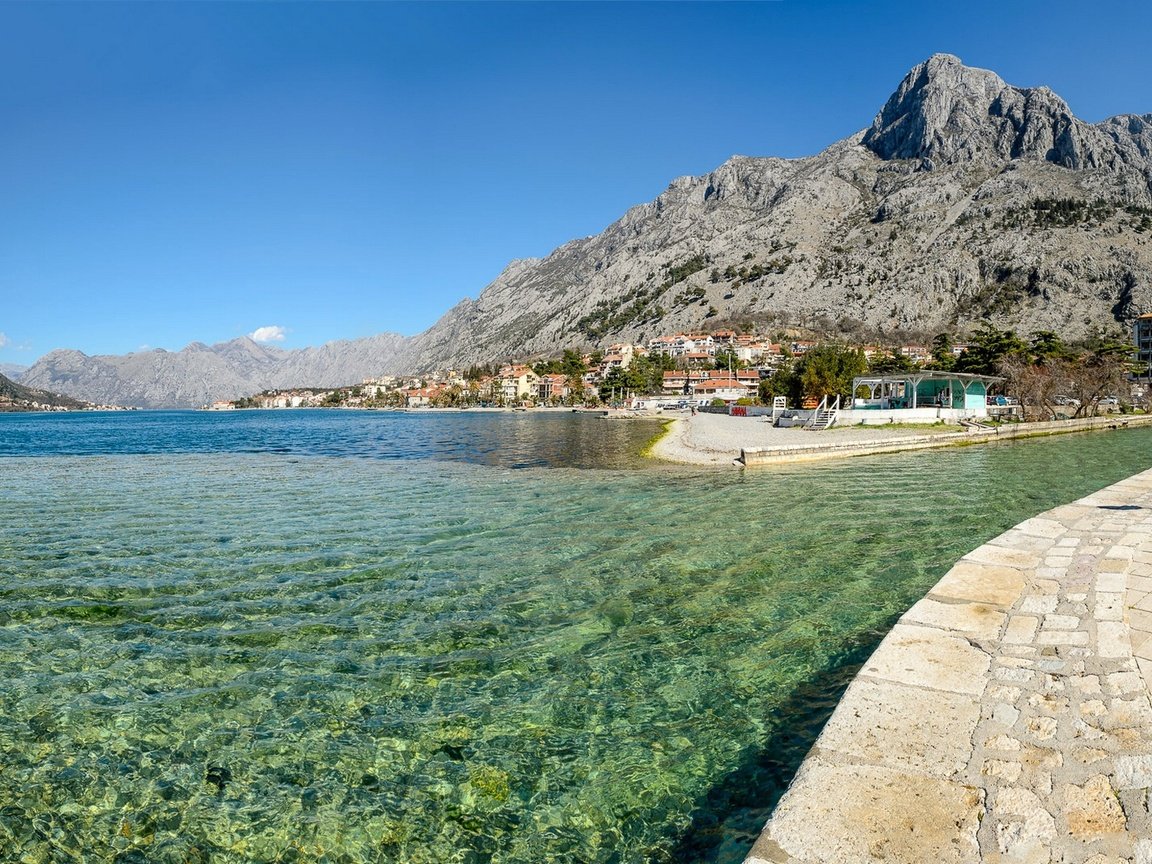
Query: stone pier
x: 1006, y: 717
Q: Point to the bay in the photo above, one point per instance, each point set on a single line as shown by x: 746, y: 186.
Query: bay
x: 347, y: 636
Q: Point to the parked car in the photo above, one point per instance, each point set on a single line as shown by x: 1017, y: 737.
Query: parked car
x: 1108, y: 402
x: 1066, y: 400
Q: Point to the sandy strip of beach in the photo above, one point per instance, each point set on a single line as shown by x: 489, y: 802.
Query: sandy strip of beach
x: 717, y: 439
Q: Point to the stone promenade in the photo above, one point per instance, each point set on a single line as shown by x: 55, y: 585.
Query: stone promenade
x: 1006, y: 717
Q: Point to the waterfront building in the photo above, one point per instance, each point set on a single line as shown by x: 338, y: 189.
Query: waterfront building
x: 922, y: 395
x: 518, y: 382
x: 728, y: 389
x: 1142, y: 337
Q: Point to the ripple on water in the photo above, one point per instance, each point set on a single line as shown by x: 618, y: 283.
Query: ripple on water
x: 252, y: 658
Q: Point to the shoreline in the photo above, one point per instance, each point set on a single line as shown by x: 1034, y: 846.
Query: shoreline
x: 718, y: 439
x: 1005, y: 717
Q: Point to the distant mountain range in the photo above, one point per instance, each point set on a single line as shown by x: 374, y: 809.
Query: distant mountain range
x: 199, y: 374
x: 966, y: 198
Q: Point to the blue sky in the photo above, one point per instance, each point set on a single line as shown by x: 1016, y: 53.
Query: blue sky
x: 179, y: 172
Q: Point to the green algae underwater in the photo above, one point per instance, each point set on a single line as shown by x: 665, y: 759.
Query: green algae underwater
x: 226, y: 656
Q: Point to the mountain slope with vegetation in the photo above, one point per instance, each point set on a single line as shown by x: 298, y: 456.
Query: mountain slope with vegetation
x: 16, y: 397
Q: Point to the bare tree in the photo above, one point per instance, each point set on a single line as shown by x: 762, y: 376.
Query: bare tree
x: 1036, y: 386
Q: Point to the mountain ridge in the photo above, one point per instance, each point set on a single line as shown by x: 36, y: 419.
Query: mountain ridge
x: 966, y: 199
x: 199, y: 374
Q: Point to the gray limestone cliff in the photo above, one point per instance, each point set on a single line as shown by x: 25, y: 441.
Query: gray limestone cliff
x: 966, y: 199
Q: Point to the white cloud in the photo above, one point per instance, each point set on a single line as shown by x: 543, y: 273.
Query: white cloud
x: 3, y: 340
x: 272, y: 333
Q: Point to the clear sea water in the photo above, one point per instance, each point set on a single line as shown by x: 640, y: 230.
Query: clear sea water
x: 373, y: 637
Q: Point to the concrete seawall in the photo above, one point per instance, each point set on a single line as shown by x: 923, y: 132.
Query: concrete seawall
x: 1006, y: 717
x: 827, y: 448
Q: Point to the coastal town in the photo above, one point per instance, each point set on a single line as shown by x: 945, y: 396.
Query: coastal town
x: 726, y: 368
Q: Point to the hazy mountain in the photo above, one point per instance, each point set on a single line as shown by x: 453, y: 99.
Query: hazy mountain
x: 12, y: 371
x: 199, y: 373
x: 966, y: 198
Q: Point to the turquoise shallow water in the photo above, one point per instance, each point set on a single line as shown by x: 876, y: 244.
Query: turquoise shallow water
x: 225, y: 656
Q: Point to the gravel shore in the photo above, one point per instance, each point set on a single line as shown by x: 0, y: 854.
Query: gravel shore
x: 717, y: 439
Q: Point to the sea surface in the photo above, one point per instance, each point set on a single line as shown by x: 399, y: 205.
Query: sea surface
x: 334, y: 636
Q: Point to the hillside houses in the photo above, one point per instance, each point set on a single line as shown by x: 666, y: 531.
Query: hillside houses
x: 712, y: 383
x: 724, y: 364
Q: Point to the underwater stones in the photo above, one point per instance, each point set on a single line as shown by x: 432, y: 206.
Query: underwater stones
x: 218, y: 776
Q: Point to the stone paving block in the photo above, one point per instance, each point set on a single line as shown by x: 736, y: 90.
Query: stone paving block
x: 1110, y: 606
x: 1062, y: 637
x: 1124, y: 682
x: 1129, y: 712
x: 1140, y: 579
x: 1002, y: 742
x: 975, y: 619
x: 1022, y: 542
x: 1145, y: 667
x: 1111, y: 581
x: 1087, y: 683
x: 1002, y: 770
x: 1024, y: 828
x: 1042, y: 728
x: 1133, y: 772
x: 1144, y: 604
x: 926, y: 657
x: 1137, y: 638
x: 1040, y: 526
x: 934, y: 728
x: 1061, y: 622
x: 1092, y: 809
x: 1039, y: 604
x: 1093, y: 708
x: 1112, y: 639
x: 867, y: 813
x: 980, y: 583
x: 1021, y: 630
x: 998, y: 556
x: 1139, y: 619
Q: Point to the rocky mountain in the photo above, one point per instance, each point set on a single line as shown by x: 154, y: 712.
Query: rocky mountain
x: 12, y: 371
x: 967, y: 198
x: 199, y: 373
x: 15, y: 397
